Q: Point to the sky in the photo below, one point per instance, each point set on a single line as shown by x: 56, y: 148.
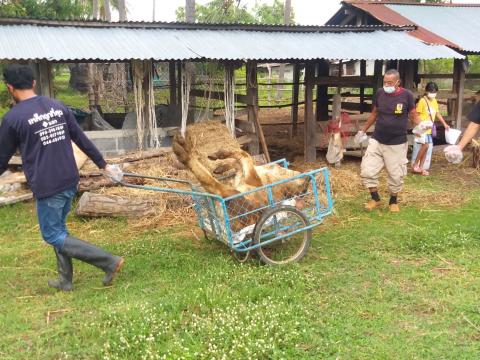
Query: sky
x: 307, y: 12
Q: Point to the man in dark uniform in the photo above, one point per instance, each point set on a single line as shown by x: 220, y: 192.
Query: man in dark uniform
x: 44, y: 129
x: 392, y: 108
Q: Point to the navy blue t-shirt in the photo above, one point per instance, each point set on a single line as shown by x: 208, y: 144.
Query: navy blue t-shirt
x: 474, y: 115
x: 43, y: 130
x: 392, y: 116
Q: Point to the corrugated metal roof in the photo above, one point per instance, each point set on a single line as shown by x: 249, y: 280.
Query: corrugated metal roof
x: 388, y: 15
x: 68, y: 43
x: 459, y: 24
x: 178, y: 25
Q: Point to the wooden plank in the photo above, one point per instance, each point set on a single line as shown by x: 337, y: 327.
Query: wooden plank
x: 238, y: 113
x: 435, y: 76
x: 13, y: 178
x: 310, y: 130
x: 295, y: 96
x: 448, y: 76
x: 344, y: 81
x: 79, y: 156
x: 15, y: 160
x: 15, y: 198
x: 218, y: 95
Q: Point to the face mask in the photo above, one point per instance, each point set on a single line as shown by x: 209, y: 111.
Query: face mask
x: 389, y: 89
x: 432, y: 95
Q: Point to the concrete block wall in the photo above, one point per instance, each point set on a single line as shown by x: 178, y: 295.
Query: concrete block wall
x: 118, y: 142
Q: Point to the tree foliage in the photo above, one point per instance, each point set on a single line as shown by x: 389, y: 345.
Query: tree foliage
x: 234, y: 11
x: 272, y: 14
x: 52, y: 9
x: 45, y: 9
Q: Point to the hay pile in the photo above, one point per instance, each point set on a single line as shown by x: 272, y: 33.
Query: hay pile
x: 209, y: 137
x: 171, y: 209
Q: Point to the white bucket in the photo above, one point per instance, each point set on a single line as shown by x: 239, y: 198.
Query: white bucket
x: 452, y: 135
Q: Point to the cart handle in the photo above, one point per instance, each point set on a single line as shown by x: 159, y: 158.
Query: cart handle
x: 156, y: 178
x: 168, y: 190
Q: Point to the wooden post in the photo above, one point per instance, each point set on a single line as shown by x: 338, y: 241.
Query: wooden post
x: 378, y: 76
x: 252, y: 104
x: 363, y: 72
x: 458, y: 89
x: 43, y: 76
x: 322, y: 91
x: 416, y: 78
x: 296, y: 90
x: 310, y: 130
x: 173, y: 83
x: 409, y: 75
x: 336, y: 107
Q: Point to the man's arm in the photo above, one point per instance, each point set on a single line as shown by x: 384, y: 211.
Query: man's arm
x: 82, y: 141
x: 469, y: 134
x: 442, y: 120
x: 8, y: 145
x: 413, y: 116
x: 413, y: 109
x: 472, y: 128
x: 371, y: 120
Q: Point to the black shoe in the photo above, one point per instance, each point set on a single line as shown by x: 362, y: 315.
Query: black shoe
x: 93, y: 255
x: 65, y: 273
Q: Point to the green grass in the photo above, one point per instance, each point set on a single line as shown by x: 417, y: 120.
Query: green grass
x: 373, y: 286
x: 66, y: 94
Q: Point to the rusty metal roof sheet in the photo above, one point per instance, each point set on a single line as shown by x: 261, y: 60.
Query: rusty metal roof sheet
x: 386, y: 14
x: 459, y: 24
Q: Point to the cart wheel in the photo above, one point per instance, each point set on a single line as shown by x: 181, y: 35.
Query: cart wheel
x: 241, y: 256
x: 278, y: 221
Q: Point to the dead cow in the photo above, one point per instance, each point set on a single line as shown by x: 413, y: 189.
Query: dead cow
x: 248, y: 177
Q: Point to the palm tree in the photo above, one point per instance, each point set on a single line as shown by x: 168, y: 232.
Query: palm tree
x: 190, y: 10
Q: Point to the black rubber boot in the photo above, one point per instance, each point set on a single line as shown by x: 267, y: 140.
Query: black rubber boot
x: 65, y: 273
x: 89, y: 253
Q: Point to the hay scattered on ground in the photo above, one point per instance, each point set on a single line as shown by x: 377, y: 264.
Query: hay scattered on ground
x: 210, y: 136
x: 169, y: 208
x: 346, y: 183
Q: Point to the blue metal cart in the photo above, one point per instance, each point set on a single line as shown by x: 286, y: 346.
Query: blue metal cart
x: 279, y: 231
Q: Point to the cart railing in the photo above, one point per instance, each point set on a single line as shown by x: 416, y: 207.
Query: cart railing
x: 232, y: 220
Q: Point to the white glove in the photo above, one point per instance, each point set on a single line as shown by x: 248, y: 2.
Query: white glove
x: 360, y: 137
x: 114, y: 172
x: 453, y: 154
